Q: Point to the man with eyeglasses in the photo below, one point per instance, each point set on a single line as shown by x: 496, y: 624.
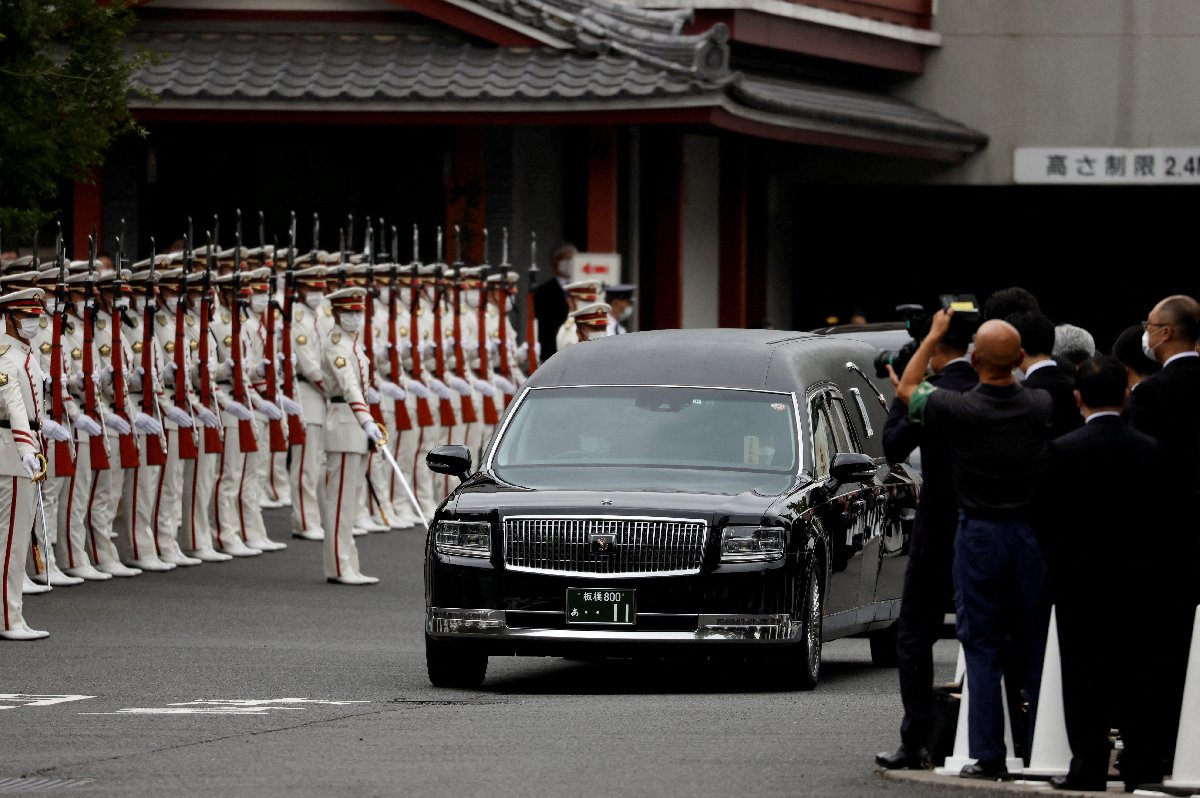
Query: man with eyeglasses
x: 1166, y: 406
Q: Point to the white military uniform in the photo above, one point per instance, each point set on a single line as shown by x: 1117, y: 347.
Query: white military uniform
x: 20, y: 412
x: 346, y: 444
x: 308, y: 458
x: 258, y: 462
x: 425, y: 436
x: 395, y: 413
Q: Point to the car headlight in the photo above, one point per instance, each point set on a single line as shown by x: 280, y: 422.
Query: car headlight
x: 464, y: 538
x: 751, y: 543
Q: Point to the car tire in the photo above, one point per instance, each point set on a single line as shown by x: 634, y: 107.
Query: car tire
x: 800, y: 663
x: 451, y: 664
x: 883, y: 647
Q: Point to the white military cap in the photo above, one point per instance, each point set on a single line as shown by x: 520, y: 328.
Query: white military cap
x: 593, y: 315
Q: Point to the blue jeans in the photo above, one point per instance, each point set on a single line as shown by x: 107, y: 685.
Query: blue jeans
x: 998, y: 579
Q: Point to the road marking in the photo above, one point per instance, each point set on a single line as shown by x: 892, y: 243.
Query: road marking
x: 15, y: 700
x: 228, y: 706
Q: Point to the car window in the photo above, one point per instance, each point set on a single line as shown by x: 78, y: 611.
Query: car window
x: 824, y: 446
x: 841, y: 428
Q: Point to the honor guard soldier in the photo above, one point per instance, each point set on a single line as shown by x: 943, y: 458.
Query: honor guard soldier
x: 372, y: 515
x: 390, y: 376
x: 349, y: 435
x: 591, y: 321
x: 277, y: 491
x: 583, y: 292
x: 308, y: 458
x: 21, y: 459
x: 466, y: 345
x: 620, y: 297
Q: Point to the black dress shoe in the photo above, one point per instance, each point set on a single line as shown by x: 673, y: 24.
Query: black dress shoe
x: 904, y: 758
x: 1070, y: 783
x: 988, y: 771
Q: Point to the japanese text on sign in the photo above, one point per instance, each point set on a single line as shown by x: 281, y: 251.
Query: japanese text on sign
x: 1106, y: 165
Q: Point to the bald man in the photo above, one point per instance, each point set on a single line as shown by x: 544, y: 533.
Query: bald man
x: 997, y: 435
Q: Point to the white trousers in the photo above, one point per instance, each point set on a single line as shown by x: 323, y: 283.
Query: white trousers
x: 103, y: 505
x: 17, y: 497
x: 200, y: 481
x: 134, y: 523
x: 344, y: 473
x: 278, y: 487
x: 52, y: 489
x: 72, y: 550
x: 257, y: 465
x: 168, y: 499
x: 231, y: 508
x: 401, y: 507
x: 305, y: 474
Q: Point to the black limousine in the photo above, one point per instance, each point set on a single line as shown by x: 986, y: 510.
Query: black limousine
x: 675, y: 493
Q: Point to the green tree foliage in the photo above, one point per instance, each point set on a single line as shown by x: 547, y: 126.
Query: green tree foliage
x: 64, y: 86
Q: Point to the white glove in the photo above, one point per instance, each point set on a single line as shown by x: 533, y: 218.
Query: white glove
x: 269, y: 409
x: 55, y: 431
x: 459, y: 384
x: 119, y: 424
x: 438, y: 387
x: 207, y: 417
x: 493, y: 345
x: 471, y: 345
x: 290, y: 406
x: 373, y: 397
x: 262, y: 367
x: 392, y: 391
x: 147, y: 425
x: 484, y: 388
x: 426, y: 348
x: 448, y: 342
x: 405, y: 346
x: 418, y: 389
x: 382, y: 349
x: 374, y: 433
x: 238, y: 411
x: 87, y: 425
x: 31, y: 464
x: 522, y: 350
x: 104, y: 377
x: 169, y: 371
x: 504, y: 384
x: 179, y: 416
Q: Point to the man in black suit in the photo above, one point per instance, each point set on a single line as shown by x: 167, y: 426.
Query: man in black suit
x: 1044, y: 373
x: 1166, y: 406
x: 1128, y: 349
x: 1090, y: 510
x: 928, y: 589
x: 550, y: 300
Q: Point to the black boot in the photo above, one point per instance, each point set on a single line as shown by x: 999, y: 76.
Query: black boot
x: 904, y: 758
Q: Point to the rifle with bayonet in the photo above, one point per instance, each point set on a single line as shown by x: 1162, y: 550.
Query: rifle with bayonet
x: 64, y: 452
x: 97, y: 445
x: 368, y: 335
x: 403, y: 421
x: 276, y: 438
x: 424, y: 415
x: 502, y: 314
x: 467, y: 405
x: 188, y: 448
x: 445, y: 406
x: 156, y: 452
x: 214, y: 437
x: 296, y: 434
x: 531, y: 341
x: 247, y: 439
x: 490, y: 416
x: 127, y: 442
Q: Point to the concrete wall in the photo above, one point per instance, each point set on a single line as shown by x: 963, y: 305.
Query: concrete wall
x: 1119, y: 73
x: 701, y: 230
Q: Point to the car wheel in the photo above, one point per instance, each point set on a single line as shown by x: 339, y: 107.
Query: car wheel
x: 450, y: 664
x: 883, y: 647
x: 800, y: 666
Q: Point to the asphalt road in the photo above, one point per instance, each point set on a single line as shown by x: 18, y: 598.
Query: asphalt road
x: 185, y: 676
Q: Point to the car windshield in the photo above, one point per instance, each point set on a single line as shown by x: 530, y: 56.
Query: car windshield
x: 705, y: 440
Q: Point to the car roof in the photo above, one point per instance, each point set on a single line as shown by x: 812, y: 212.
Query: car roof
x: 775, y: 360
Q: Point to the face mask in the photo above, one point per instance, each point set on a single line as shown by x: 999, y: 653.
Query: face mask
x: 78, y: 303
x: 29, y: 327
x: 1147, y: 350
x: 139, y: 303
x: 351, y: 322
x: 313, y: 299
x: 473, y: 300
x: 172, y: 303
x: 626, y: 313
x: 258, y: 303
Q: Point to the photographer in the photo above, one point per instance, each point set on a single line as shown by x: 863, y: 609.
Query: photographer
x: 927, y: 578
x: 996, y: 436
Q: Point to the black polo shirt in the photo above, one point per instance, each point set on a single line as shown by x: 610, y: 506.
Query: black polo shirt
x: 997, y: 438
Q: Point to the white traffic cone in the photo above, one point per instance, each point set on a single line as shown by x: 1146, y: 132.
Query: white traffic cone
x: 1185, y: 772
x: 961, y: 757
x: 1051, y: 754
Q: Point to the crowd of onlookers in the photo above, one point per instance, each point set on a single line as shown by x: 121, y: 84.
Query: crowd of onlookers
x: 1057, y: 477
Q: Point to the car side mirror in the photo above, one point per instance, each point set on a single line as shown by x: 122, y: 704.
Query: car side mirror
x: 453, y: 459
x: 850, y: 467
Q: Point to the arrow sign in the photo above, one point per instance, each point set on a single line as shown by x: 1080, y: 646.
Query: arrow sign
x: 603, y: 266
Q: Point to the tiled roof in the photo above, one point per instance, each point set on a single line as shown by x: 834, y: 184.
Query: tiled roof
x: 331, y: 69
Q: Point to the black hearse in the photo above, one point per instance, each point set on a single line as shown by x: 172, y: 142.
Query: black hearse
x: 709, y: 492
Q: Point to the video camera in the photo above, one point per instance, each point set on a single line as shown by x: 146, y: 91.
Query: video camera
x: 963, y: 324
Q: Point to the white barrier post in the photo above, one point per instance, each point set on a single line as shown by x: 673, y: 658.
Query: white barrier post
x: 961, y: 756
x: 1185, y: 772
x: 1051, y: 754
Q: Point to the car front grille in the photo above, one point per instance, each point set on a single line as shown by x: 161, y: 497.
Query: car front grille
x: 605, y: 546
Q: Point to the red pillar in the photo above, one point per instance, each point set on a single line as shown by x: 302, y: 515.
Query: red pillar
x: 466, y: 196
x: 602, y: 190
x: 88, y: 213
x: 662, y: 243
x: 731, y: 312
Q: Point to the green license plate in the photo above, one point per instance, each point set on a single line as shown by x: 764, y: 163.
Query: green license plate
x: 601, y: 606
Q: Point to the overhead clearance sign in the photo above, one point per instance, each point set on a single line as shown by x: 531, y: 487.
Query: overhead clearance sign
x: 1107, y: 165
